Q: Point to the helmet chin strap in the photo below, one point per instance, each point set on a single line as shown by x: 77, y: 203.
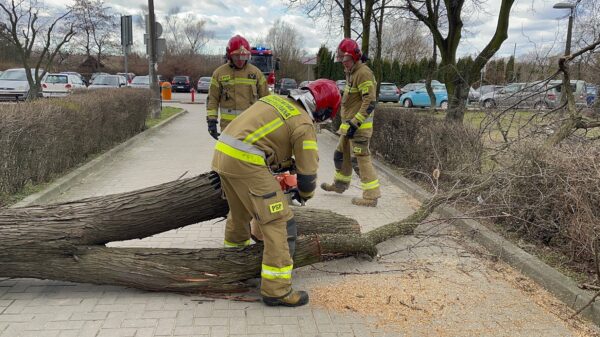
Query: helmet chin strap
x: 306, y: 98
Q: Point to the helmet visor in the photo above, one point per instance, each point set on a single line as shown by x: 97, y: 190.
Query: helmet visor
x: 343, y: 57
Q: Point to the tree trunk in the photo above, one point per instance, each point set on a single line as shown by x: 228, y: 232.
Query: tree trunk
x: 66, y: 241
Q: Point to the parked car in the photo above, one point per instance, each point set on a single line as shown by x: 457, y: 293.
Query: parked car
x: 128, y: 76
x: 94, y: 75
x: 473, y: 96
x: 140, y: 82
x: 78, y: 75
x: 388, y: 92
x: 181, y: 84
x: 577, y: 87
x: 411, y: 87
x: 107, y: 82
x: 14, y: 85
x: 420, y: 98
x: 284, y: 85
x: 203, y: 84
x: 304, y: 84
x: 592, y: 93
x: 60, y: 85
x: 341, y: 84
x: 486, y: 89
x: 536, y: 95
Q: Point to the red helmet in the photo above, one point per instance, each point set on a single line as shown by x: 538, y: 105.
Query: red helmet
x: 348, y: 47
x: 327, y: 98
x: 239, y: 47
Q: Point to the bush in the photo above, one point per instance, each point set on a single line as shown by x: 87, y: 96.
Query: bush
x: 552, y: 196
x: 420, y: 142
x: 44, y: 138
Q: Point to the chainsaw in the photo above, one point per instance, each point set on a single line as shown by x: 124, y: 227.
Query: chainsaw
x: 285, y: 173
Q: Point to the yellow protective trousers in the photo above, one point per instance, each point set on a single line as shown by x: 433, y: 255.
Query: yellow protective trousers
x: 355, y: 153
x: 259, y: 196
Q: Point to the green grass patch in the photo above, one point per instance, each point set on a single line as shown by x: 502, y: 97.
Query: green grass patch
x: 7, y: 200
x: 166, y: 112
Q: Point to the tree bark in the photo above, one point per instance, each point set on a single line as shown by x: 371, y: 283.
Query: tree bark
x: 66, y: 241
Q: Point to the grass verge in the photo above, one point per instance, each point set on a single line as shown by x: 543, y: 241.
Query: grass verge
x: 166, y: 112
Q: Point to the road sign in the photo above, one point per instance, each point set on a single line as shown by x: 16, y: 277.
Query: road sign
x: 126, y: 31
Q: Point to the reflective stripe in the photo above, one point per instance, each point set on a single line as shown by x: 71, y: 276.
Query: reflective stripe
x: 364, y: 86
x: 230, y: 114
x: 263, y: 131
x: 228, y: 117
x: 212, y: 112
x: 370, y: 185
x: 273, y: 273
x: 239, y: 80
x: 351, y: 90
x: 340, y: 177
x: 262, y: 80
x: 367, y: 125
x: 309, y: 145
x: 240, y: 150
x: 229, y: 244
x: 360, y: 117
x: 285, y: 108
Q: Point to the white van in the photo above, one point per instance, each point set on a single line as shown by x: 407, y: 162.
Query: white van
x: 14, y: 85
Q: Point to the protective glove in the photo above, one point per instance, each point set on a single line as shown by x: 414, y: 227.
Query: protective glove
x: 294, y: 194
x: 215, y: 180
x: 351, y: 129
x: 212, y: 128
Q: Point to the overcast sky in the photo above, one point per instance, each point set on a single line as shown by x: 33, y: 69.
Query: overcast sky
x: 534, y: 24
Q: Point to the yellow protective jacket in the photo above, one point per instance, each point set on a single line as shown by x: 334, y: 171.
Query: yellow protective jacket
x: 234, y: 90
x: 268, y: 134
x: 359, y: 100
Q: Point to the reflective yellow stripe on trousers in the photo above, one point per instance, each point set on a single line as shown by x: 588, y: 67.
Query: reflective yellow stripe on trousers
x: 229, y: 244
x: 273, y: 273
x: 370, y: 185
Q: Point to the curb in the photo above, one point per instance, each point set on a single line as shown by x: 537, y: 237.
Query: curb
x: 561, y: 286
x: 67, y: 181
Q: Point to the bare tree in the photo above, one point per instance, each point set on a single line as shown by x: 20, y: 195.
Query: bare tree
x: 286, y: 43
x: 457, y: 83
x: 196, y: 34
x: 97, y: 27
x: 37, y: 37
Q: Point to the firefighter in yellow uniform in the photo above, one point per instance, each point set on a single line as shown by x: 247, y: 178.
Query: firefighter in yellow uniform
x: 358, y: 105
x: 267, y: 134
x: 234, y: 86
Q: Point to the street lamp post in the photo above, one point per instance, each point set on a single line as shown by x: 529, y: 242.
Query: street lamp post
x: 571, y: 7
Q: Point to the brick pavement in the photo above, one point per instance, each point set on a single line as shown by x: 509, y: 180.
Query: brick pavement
x: 30, y: 307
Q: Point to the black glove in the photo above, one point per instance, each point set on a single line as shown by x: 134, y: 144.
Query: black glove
x: 212, y: 128
x: 215, y: 180
x: 351, y: 130
x: 294, y: 194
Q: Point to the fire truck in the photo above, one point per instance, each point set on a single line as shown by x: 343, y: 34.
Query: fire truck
x: 262, y: 58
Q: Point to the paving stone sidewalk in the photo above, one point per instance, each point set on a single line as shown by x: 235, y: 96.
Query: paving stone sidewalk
x: 452, y: 289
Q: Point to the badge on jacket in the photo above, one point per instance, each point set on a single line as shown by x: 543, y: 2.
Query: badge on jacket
x: 252, y: 76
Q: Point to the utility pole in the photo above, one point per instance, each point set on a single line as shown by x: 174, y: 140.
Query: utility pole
x: 155, y: 106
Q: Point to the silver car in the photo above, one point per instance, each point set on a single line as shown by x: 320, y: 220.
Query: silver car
x: 203, y: 84
x: 140, y: 82
x: 107, y: 82
x: 14, y: 85
x: 536, y: 95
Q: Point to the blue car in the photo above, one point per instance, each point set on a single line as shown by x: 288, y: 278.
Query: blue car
x: 420, y: 98
x: 591, y: 93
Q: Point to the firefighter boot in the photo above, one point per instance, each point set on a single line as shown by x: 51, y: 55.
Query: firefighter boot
x: 292, y: 299
x: 335, y: 187
x: 364, y: 202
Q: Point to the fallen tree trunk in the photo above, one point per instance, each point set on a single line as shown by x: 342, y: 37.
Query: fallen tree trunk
x: 66, y: 241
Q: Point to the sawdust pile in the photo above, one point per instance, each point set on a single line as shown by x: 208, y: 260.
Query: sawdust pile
x: 425, y: 303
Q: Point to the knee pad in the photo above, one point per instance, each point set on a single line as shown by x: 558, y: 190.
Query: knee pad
x: 292, y: 234
x: 338, y: 159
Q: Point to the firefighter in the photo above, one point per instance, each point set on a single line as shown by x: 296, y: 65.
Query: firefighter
x: 234, y: 86
x: 266, y: 135
x: 358, y: 105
